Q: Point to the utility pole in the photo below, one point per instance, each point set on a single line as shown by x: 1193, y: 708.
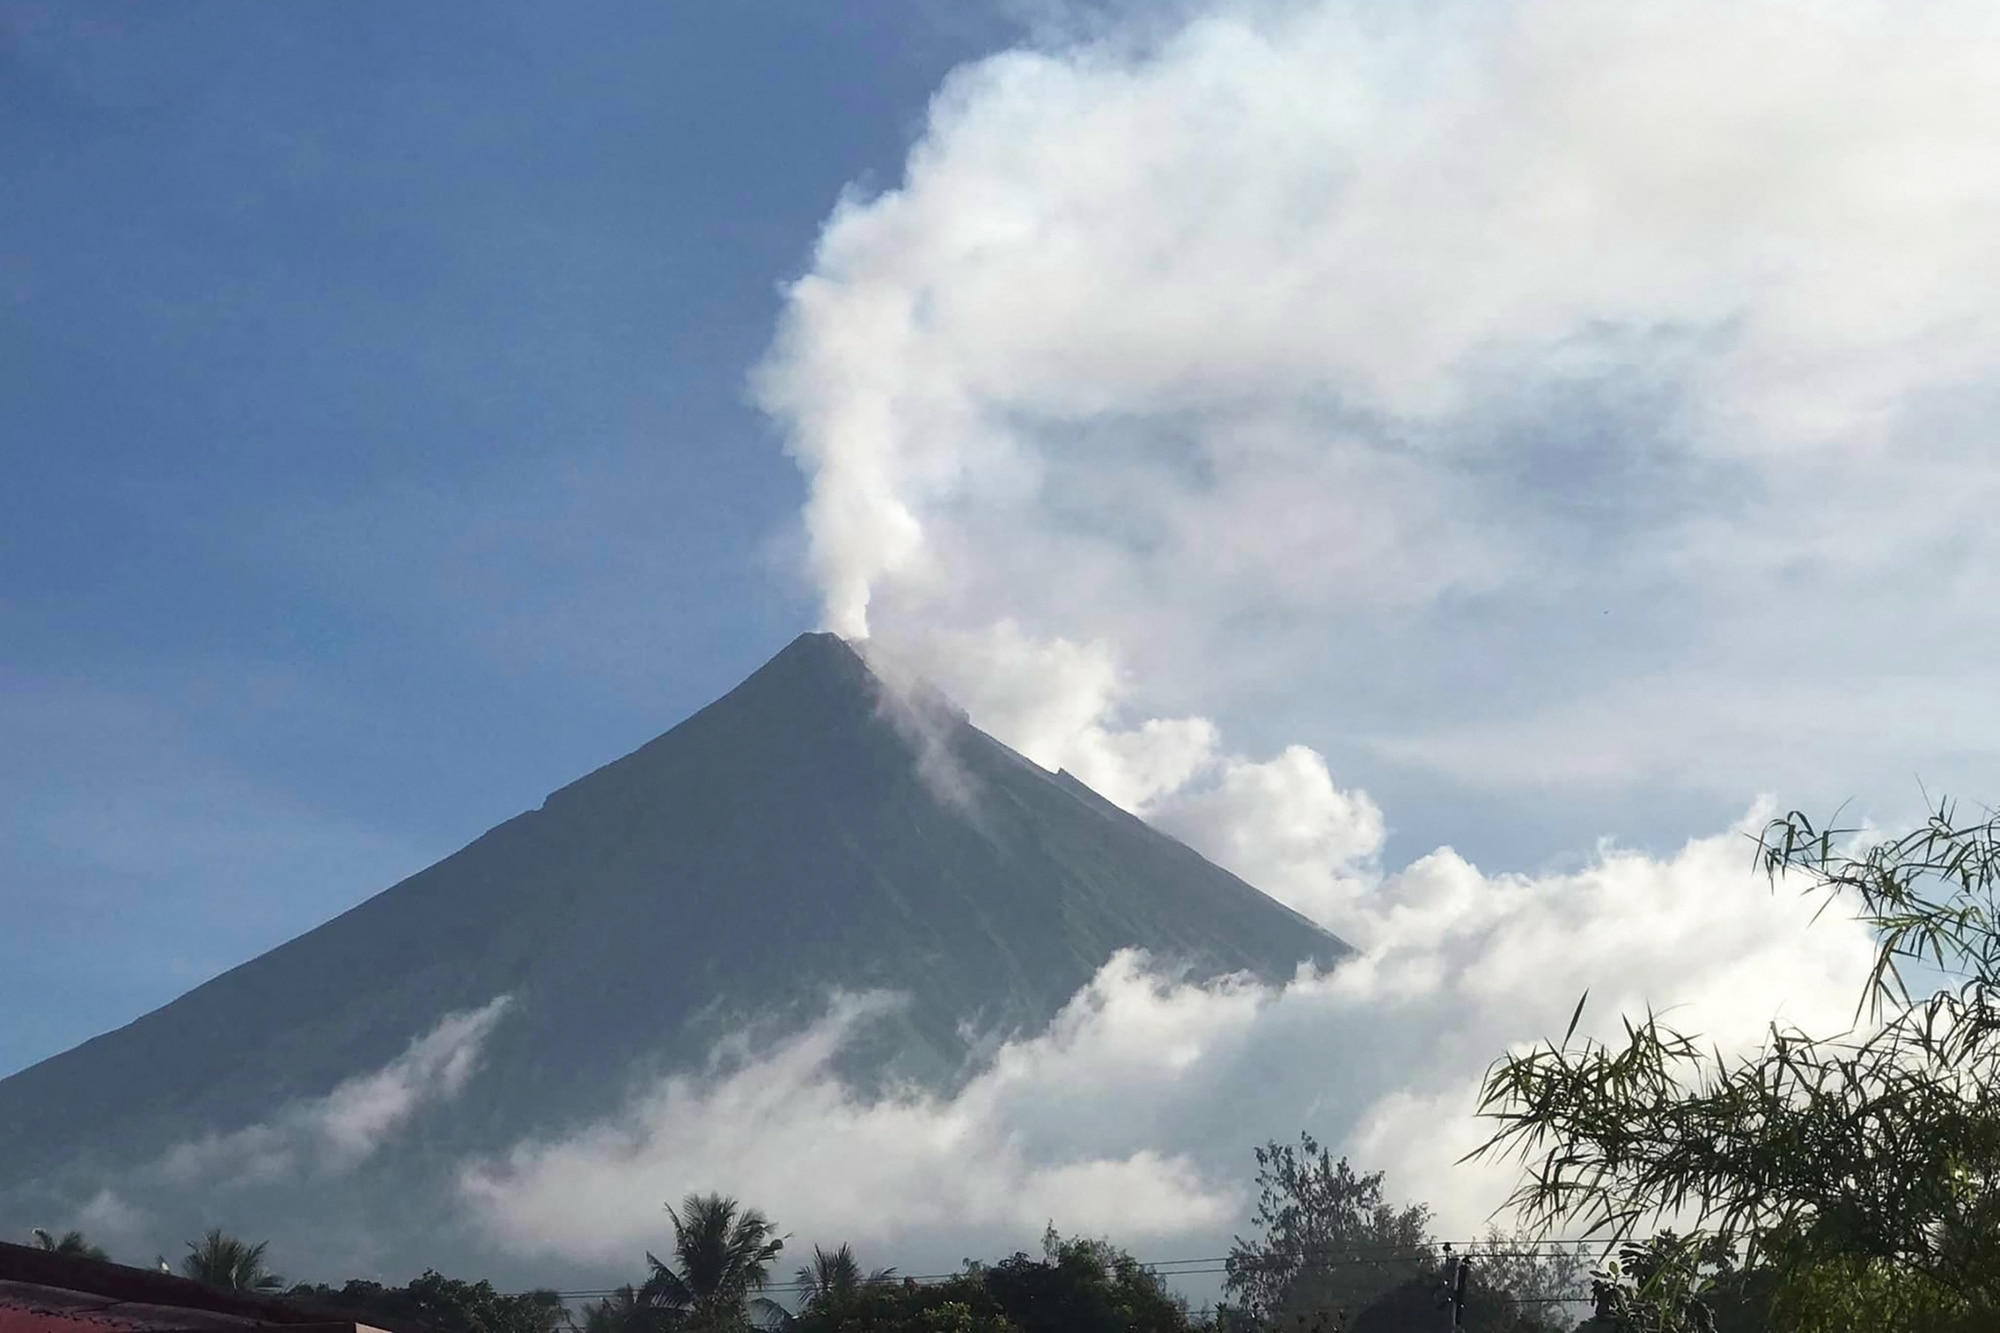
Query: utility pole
x: 1456, y: 1269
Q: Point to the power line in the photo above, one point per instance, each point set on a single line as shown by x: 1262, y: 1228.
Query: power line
x: 1216, y: 1265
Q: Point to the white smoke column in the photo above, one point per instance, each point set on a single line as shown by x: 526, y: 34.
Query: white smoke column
x: 1282, y: 205
x: 1186, y: 350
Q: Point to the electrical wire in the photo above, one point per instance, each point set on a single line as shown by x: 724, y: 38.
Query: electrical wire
x: 1216, y: 1265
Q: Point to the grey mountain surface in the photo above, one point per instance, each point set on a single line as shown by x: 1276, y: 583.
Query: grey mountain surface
x: 783, y: 843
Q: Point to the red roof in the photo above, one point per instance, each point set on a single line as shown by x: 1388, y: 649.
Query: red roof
x: 42, y: 1292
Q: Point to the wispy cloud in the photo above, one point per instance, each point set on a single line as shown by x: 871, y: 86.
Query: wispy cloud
x: 334, y: 1134
x: 783, y: 1131
x: 107, y: 1216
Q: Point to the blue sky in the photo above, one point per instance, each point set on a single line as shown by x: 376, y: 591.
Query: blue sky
x: 376, y: 448
x: 1338, y: 431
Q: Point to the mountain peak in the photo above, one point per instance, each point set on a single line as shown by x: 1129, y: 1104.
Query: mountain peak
x: 818, y: 650
x: 817, y: 668
x: 783, y: 842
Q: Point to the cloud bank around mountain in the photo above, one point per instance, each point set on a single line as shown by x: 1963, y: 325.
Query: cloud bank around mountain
x: 1133, y: 1115
x: 782, y: 1131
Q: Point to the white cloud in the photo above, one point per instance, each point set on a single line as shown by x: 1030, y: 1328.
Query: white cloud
x: 783, y: 1132
x: 1284, y: 826
x: 1394, y: 350
x: 1134, y: 1113
x: 332, y: 1135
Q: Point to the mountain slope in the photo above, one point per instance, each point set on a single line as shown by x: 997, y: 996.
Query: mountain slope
x: 778, y: 843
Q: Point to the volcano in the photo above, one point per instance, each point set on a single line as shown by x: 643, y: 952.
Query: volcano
x: 812, y: 831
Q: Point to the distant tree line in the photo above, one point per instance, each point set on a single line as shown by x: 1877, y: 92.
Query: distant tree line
x: 1331, y: 1255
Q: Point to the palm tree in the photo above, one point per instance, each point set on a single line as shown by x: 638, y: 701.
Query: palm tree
x: 722, y: 1253
x: 833, y: 1274
x: 221, y: 1260
x: 70, y: 1242
x: 623, y: 1311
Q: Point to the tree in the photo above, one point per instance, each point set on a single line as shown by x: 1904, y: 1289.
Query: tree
x: 1331, y: 1243
x: 70, y: 1242
x: 221, y: 1260
x: 959, y: 1304
x: 442, y: 1305
x: 1666, y: 1284
x: 623, y: 1311
x: 834, y: 1274
x: 1857, y: 1175
x: 722, y: 1254
x: 1082, y: 1286
x: 1077, y: 1285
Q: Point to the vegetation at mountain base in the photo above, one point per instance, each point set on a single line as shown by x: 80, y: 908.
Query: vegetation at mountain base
x: 1328, y: 1236
x: 1320, y: 1220
x: 440, y: 1305
x: 1832, y: 1182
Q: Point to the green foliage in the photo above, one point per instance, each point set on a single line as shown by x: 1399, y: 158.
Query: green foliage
x: 1330, y: 1243
x: 221, y: 1260
x: 1668, y: 1284
x: 960, y: 1304
x: 959, y: 1317
x: 1082, y: 1286
x: 1861, y: 1171
x: 722, y: 1256
x: 1076, y: 1286
x: 1874, y: 1294
x: 833, y: 1274
x: 624, y: 1311
x: 70, y: 1243
x: 439, y: 1304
